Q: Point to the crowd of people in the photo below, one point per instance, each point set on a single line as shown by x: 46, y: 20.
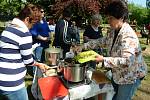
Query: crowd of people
x: 23, y: 42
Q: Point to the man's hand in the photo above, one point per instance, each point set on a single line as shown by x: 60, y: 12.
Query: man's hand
x: 42, y: 66
x: 46, y: 39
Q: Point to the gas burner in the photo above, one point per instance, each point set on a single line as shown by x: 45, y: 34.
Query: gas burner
x: 69, y: 84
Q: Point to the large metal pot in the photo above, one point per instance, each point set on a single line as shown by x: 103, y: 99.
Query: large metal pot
x: 52, y: 56
x: 75, y: 73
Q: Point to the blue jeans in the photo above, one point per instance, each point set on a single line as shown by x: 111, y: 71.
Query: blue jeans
x: 38, y: 53
x: 125, y: 91
x: 14, y: 95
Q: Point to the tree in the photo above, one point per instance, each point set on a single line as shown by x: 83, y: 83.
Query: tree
x: 138, y: 13
x: 43, y: 3
x: 9, y: 9
x: 81, y: 7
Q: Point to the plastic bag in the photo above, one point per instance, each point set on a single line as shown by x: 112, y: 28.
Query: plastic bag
x: 86, y: 56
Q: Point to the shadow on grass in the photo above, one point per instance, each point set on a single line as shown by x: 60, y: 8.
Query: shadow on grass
x: 1, y: 29
x: 28, y: 80
x: 30, y: 93
x: 30, y: 70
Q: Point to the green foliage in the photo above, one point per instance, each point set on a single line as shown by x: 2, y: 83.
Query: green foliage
x: 9, y: 9
x: 138, y: 13
x: 43, y: 3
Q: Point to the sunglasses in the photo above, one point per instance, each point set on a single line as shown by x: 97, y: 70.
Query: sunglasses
x: 42, y: 11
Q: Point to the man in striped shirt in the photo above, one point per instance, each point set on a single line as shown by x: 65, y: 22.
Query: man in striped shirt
x: 16, y: 53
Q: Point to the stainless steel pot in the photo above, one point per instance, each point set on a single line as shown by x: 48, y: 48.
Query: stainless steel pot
x: 75, y: 73
x: 52, y: 56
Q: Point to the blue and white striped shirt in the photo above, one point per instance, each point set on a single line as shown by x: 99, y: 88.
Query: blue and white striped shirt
x: 15, y: 53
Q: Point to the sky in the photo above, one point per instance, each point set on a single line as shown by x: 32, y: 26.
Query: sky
x: 138, y: 2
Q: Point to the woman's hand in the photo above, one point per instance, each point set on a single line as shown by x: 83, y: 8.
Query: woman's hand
x: 86, y: 39
x: 99, y: 58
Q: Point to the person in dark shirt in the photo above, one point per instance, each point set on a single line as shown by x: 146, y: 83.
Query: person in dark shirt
x: 93, y: 31
x: 148, y: 36
x: 74, y: 30
x: 62, y: 36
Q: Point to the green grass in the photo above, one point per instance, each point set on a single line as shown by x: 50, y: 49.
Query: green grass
x: 143, y: 93
x: 147, y: 60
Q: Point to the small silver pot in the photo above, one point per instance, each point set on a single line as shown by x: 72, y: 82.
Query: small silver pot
x: 75, y: 73
x: 52, y: 56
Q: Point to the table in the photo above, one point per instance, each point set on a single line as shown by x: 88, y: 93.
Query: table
x: 93, y: 89
x: 79, y: 92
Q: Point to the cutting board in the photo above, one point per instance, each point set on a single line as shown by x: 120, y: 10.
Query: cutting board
x: 99, y: 77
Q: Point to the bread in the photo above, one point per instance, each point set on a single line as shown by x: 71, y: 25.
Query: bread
x: 51, y: 72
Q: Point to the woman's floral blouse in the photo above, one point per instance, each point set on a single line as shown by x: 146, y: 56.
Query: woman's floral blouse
x: 124, y: 57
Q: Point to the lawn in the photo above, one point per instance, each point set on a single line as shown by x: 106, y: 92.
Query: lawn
x: 143, y: 92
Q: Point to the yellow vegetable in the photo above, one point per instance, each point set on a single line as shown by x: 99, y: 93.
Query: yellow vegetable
x: 86, y: 56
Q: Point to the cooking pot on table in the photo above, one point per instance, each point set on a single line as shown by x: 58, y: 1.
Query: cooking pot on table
x: 52, y: 56
x: 74, y: 73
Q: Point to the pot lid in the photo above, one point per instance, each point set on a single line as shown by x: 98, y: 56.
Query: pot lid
x: 53, y: 50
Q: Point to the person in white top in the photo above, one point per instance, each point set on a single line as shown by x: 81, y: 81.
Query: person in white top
x: 16, y: 53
